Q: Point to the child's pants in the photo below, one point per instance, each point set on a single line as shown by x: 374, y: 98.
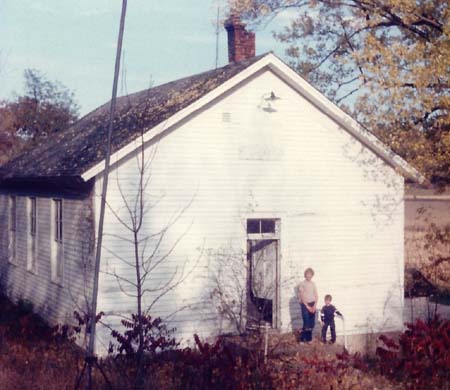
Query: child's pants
x: 332, y: 328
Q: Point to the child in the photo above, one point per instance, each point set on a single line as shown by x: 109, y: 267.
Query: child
x: 327, y: 318
x: 308, y: 298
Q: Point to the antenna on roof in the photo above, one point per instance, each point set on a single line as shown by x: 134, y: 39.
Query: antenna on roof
x: 122, y: 75
x: 217, y: 34
x: 123, y: 80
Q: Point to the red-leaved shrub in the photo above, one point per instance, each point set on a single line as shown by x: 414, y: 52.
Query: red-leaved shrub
x: 421, y: 357
x: 157, y: 337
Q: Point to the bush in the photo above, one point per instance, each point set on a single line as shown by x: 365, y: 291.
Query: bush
x: 220, y: 365
x: 156, y: 337
x: 421, y: 357
x: 217, y: 366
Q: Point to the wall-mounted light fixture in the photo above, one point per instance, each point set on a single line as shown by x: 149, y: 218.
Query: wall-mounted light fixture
x: 266, y: 103
x: 273, y: 97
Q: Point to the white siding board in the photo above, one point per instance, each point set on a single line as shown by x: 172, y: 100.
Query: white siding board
x: 341, y: 207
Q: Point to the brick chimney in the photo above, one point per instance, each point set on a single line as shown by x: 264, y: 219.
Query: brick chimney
x: 241, y: 43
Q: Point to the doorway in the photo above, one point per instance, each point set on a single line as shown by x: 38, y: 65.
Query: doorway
x: 262, y: 272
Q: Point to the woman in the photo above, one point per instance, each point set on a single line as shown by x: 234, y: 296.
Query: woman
x: 308, y: 297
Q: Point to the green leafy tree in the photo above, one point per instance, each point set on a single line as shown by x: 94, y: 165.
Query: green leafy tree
x: 385, y: 61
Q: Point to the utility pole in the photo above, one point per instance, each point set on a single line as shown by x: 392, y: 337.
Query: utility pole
x: 91, y: 358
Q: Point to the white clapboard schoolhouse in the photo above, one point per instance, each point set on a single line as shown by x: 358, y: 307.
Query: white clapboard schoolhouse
x: 251, y: 175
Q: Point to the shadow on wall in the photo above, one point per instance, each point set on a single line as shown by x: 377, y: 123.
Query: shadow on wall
x: 383, y: 206
x: 294, y: 311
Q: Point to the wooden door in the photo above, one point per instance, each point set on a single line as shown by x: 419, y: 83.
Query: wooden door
x: 262, y: 291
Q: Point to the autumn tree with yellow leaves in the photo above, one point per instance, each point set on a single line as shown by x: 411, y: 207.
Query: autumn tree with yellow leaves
x: 387, y: 62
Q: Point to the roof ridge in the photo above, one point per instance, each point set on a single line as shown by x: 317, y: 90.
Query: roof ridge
x: 204, y: 73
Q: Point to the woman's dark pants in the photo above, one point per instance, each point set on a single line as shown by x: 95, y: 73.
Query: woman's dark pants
x: 308, y: 324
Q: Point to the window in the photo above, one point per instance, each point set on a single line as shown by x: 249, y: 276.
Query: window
x: 58, y: 220
x: 32, y: 235
x: 12, y: 214
x: 33, y: 217
x: 12, y: 229
x: 261, y: 226
x: 57, y: 241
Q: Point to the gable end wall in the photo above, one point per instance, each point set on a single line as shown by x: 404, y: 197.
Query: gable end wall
x: 247, y: 156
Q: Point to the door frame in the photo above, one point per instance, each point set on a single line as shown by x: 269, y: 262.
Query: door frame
x: 275, y: 236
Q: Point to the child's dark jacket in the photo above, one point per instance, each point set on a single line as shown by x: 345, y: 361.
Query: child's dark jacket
x: 327, y: 313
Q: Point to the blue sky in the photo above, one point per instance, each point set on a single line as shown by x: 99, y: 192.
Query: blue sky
x: 74, y: 42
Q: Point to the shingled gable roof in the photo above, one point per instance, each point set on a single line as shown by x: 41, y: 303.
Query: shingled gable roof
x: 79, y: 151
x: 73, y: 151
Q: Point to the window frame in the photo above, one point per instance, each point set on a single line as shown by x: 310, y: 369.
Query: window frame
x: 12, y: 230
x: 275, y: 233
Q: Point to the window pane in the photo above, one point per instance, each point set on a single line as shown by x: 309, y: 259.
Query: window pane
x: 267, y: 226
x: 13, y: 213
x: 55, y: 204
x: 33, y: 216
x: 58, y: 220
x: 253, y: 226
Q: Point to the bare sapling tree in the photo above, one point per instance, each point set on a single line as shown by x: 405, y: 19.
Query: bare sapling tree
x: 244, y: 294
x: 151, y: 255
x: 229, y: 287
